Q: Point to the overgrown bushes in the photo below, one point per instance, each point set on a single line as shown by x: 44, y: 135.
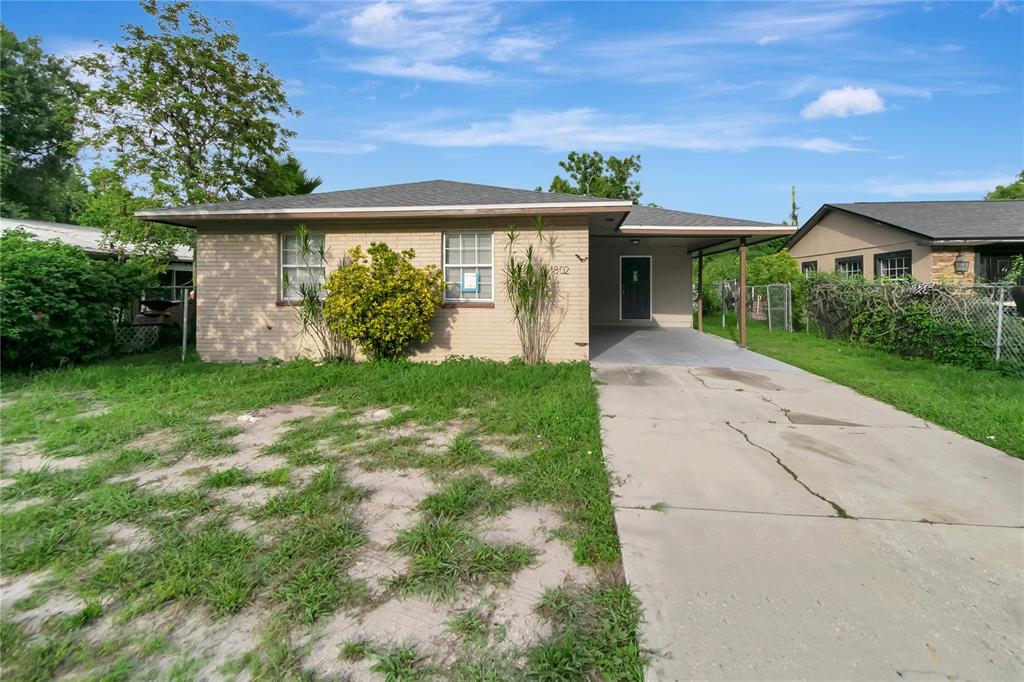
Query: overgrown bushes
x: 59, y: 305
x: 899, y: 317
x: 382, y: 302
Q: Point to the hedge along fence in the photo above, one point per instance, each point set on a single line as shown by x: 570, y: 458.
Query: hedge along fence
x: 974, y: 325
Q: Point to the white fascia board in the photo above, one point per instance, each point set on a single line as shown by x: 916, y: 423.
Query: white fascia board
x: 173, y: 212
x: 742, y: 229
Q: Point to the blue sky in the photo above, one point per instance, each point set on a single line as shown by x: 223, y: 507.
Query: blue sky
x: 728, y: 103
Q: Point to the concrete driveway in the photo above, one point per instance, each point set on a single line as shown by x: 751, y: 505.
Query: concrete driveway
x: 778, y: 526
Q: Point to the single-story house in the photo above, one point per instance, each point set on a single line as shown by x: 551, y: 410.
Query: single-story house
x: 616, y: 263
x: 174, y: 280
x: 933, y: 241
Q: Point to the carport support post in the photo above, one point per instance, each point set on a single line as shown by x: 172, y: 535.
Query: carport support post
x: 743, y: 292
x: 700, y: 290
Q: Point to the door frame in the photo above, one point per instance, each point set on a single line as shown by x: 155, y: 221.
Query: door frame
x: 650, y: 289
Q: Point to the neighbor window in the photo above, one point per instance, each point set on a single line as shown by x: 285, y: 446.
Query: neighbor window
x: 853, y: 266
x: 298, y: 268
x: 468, y: 266
x: 895, y: 264
x: 809, y: 266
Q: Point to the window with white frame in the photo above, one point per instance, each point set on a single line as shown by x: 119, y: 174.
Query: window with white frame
x: 853, y: 266
x: 300, y: 265
x: 468, y: 266
x: 894, y: 264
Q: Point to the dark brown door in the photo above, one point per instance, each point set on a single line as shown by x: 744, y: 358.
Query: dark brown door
x: 636, y: 288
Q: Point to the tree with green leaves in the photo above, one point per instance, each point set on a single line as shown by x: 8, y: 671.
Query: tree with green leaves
x: 282, y: 177
x: 184, y: 108
x: 1013, y: 190
x: 39, y: 106
x: 111, y: 206
x: 594, y: 175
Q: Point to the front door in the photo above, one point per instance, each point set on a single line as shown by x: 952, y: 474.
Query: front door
x: 636, y: 287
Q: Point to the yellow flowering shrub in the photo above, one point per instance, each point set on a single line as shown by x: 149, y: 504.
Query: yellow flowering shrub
x: 382, y: 302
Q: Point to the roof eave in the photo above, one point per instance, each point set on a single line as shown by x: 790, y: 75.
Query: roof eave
x: 179, y: 216
x: 707, y: 230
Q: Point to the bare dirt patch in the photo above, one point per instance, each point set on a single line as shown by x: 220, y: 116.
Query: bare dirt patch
x: 126, y: 536
x: 159, y: 440
x: 246, y: 496
x: 15, y: 507
x: 259, y: 430
x: 25, y: 457
x: 16, y: 587
x: 56, y: 605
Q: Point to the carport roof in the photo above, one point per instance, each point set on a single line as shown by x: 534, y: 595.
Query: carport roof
x: 655, y: 216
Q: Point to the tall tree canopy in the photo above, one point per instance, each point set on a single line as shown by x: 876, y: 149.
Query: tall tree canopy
x: 282, y: 178
x: 111, y: 206
x: 1014, y: 190
x: 596, y: 176
x: 184, y: 108
x: 39, y: 107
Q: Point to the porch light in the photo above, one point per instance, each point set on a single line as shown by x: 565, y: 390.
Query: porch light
x: 961, y: 264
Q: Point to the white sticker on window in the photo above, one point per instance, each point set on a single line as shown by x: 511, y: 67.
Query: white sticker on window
x: 470, y: 282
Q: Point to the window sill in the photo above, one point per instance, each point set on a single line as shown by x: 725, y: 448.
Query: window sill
x: 287, y: 304
x: 468, y: 304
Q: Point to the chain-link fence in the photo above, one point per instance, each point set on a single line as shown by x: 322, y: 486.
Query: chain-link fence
x: 768, y: 303
x: 993, y: 312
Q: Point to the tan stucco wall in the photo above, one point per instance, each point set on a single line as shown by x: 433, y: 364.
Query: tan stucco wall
x: 671, y: 303
x: 841, y: 235
x: 238, y: 316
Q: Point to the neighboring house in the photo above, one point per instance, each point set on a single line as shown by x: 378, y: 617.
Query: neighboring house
x: 933, y: 241
x: 90, y: 239
x: 616, y: 263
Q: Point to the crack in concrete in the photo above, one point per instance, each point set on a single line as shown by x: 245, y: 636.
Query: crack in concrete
x: 757, y: 512
x: 840, y: 512
x: 707, y: 386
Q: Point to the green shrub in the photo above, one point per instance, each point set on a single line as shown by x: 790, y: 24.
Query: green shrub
x: 894, y: 316
x: 59, y: 304
x: 382, y: 302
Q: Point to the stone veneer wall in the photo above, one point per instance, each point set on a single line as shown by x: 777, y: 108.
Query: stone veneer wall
x: 942, y: 266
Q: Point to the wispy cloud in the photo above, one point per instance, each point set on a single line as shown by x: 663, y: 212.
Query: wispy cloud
x: 976, y: 186
x: 997, y: 6
x: 589, y: 128
x: 844, y: 102
x: 337, y: 147
x: 433, y: 40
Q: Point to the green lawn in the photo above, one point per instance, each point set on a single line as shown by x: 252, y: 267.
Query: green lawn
x: 982, y: 405
x: 205, y: 554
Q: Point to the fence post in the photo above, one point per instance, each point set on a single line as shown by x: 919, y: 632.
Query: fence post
x: 999, y: 324
x: 768, y: 295
x: 721, y: 298
x: 789, y: 307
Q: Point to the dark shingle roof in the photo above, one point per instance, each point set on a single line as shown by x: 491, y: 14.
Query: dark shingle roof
x: 947, y: 219
x: 429, y: 193
x: 652, y: 216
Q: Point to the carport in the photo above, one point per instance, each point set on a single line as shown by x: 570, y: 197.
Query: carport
x: 641, y: 273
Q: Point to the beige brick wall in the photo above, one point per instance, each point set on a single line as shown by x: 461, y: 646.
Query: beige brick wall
x: 238, y: 316
x: 943, y: 269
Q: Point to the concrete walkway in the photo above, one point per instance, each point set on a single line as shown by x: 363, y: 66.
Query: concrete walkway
x: 778, y: 526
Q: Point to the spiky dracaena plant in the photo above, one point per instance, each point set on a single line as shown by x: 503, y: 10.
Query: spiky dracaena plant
x: 309, y: 306
x: 532, y: 290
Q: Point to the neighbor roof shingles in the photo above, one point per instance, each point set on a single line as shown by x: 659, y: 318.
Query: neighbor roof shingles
x: 947, y: 219
x: 428, y: 193
x: 653, y: 216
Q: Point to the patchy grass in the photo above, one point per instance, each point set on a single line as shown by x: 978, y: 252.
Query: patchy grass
x: 983, y: 405
x: 212, y: 553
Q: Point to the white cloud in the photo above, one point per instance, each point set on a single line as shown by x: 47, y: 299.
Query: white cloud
x: 997, y: 6
x: 976, y: 186
x: 419, y: 69
x: 339, y: 147
x: 843, y: 102
x: 588, y: 128
x: 433, y: 40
